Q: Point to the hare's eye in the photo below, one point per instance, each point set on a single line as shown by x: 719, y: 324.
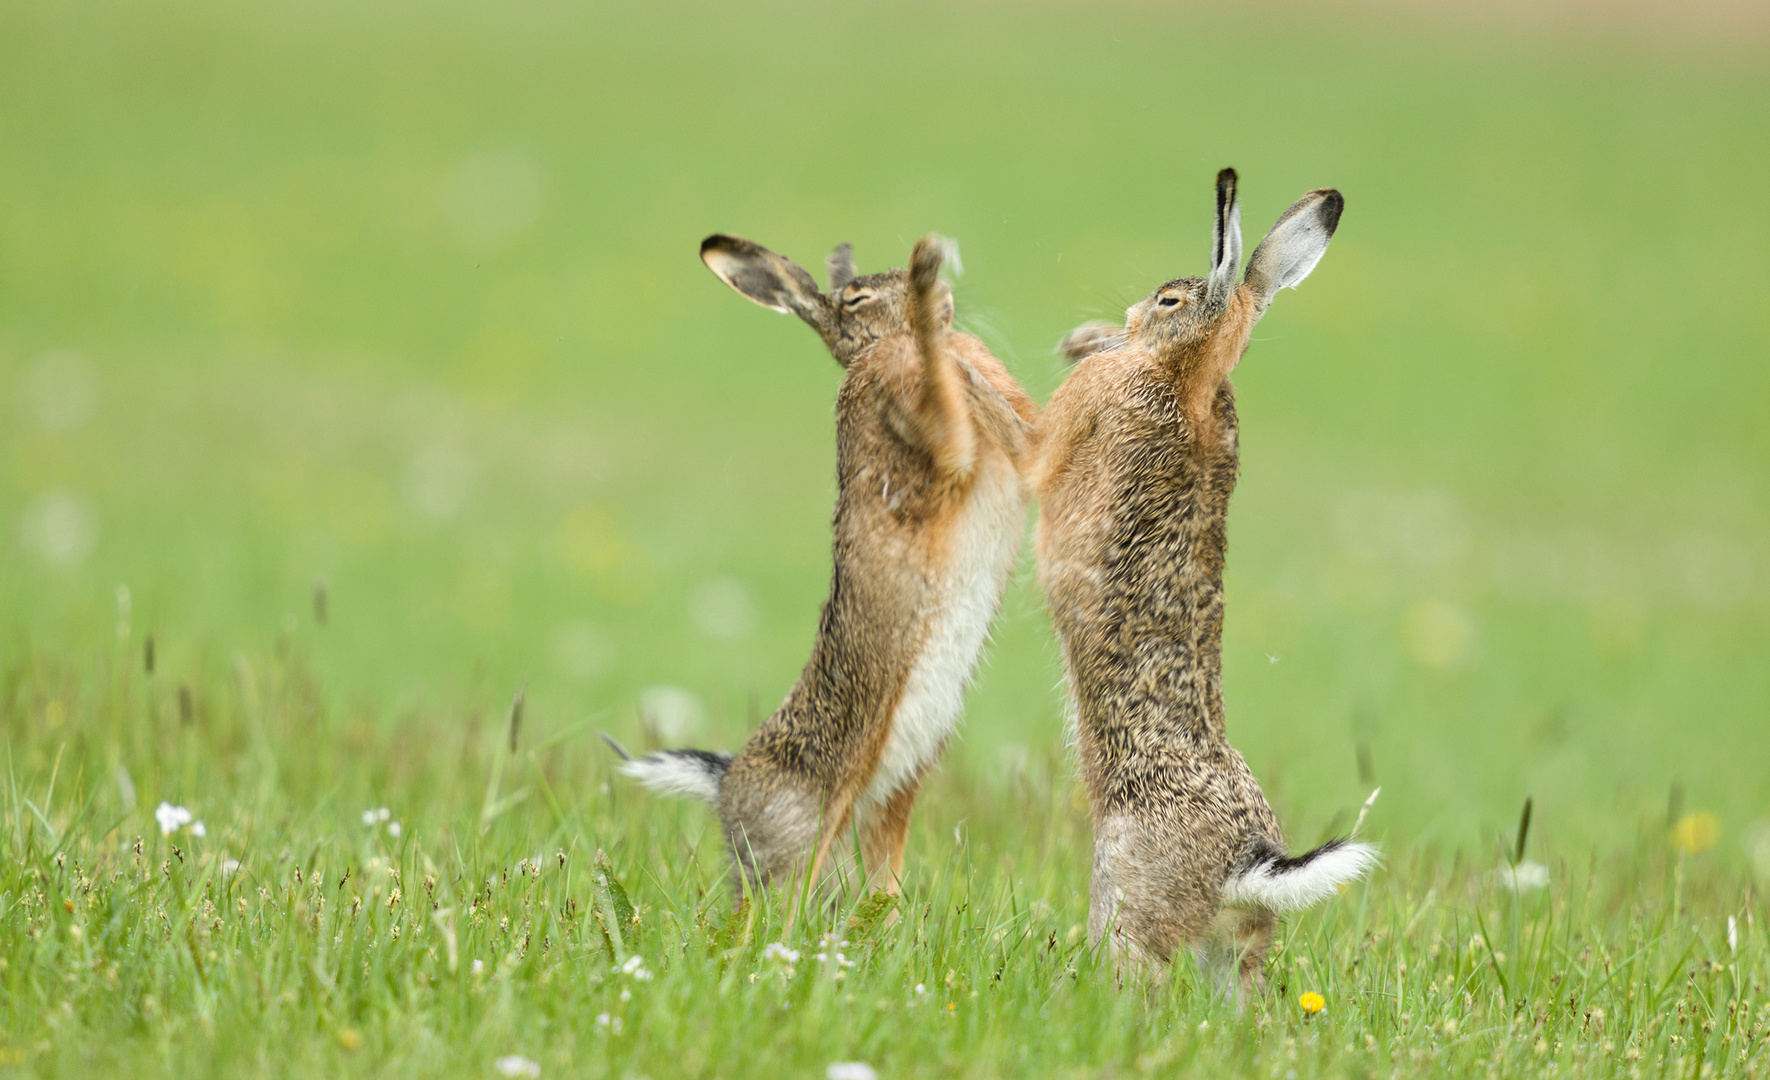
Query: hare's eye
x: 1168, y: 301
x: 858, y: 299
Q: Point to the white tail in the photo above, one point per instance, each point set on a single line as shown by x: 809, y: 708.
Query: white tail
x: 694, y: 773
x: 1277, y: 882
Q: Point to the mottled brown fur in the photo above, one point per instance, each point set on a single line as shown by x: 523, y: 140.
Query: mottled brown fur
x: 1138, y: 459
x: 932, y: 434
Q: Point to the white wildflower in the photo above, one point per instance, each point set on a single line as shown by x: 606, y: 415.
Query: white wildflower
x: 778, y: 951
x: 634, y: 966
x: 1523, y: 877
x: 198, y: 829
x: 921, y: 990
x: 671, y: 713
x: 393, y: 829
x: 626, y: 994
x: 479, y: 967
x: 171, y: 818
x: 1756, y: 838
x: 850, y: 1070
x: 229, y: 867
x: 517, y: 1065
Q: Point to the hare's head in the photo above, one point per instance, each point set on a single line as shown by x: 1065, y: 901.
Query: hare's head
x: 858, y: 309
x: 1189, y: 319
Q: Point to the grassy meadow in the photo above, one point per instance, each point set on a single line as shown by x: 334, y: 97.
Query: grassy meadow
x: 357, y: 374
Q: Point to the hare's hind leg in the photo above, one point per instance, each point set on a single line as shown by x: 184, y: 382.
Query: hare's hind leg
x: 838, y: 813
x: 1234, y: 954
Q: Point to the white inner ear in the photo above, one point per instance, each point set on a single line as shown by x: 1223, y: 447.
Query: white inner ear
x: 1232, y: 241
x: 1229, y: 255
x: 733, y: 269
x: 1291, y: 250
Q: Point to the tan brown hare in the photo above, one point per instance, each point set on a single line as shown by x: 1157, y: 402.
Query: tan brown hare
x: 932, y: 436
x: 1137, y: 461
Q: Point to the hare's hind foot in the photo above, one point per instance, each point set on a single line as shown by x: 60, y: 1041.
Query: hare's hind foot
x: 1233, y: 955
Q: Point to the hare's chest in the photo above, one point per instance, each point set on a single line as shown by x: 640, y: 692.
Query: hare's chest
x: 976, y: 559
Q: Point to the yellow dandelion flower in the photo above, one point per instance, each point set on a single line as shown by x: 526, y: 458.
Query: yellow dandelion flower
x: 1312, y: 1002
x: 1696, y: 832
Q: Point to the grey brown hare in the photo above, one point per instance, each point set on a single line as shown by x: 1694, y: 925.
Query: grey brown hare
x: 1138, y: 457
x: 932, y: 439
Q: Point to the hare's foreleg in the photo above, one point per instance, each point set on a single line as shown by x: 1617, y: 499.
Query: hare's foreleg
x: 883, y: 835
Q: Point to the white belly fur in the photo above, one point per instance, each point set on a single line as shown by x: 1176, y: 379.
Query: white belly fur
x: 983, y: 546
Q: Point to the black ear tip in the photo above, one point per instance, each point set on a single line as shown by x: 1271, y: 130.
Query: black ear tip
x: 1226, y: 182
x: 719, y: 242
x: 1333, y: 204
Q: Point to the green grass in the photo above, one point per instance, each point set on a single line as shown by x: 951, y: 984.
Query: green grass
x: 402, y: 299
x: 492, y: 924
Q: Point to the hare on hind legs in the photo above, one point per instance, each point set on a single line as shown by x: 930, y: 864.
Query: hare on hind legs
x: 931, y: 439
x: 1137, y: 459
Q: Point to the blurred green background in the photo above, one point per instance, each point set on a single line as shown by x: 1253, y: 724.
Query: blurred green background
x: 404, y: 298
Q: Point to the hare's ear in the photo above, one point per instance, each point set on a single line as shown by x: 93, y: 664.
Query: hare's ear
x: 1296, y: 243
x: 776, y: 283
x: 1225, y: 242
x: 1090, y: 338
x: 841, y: 264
